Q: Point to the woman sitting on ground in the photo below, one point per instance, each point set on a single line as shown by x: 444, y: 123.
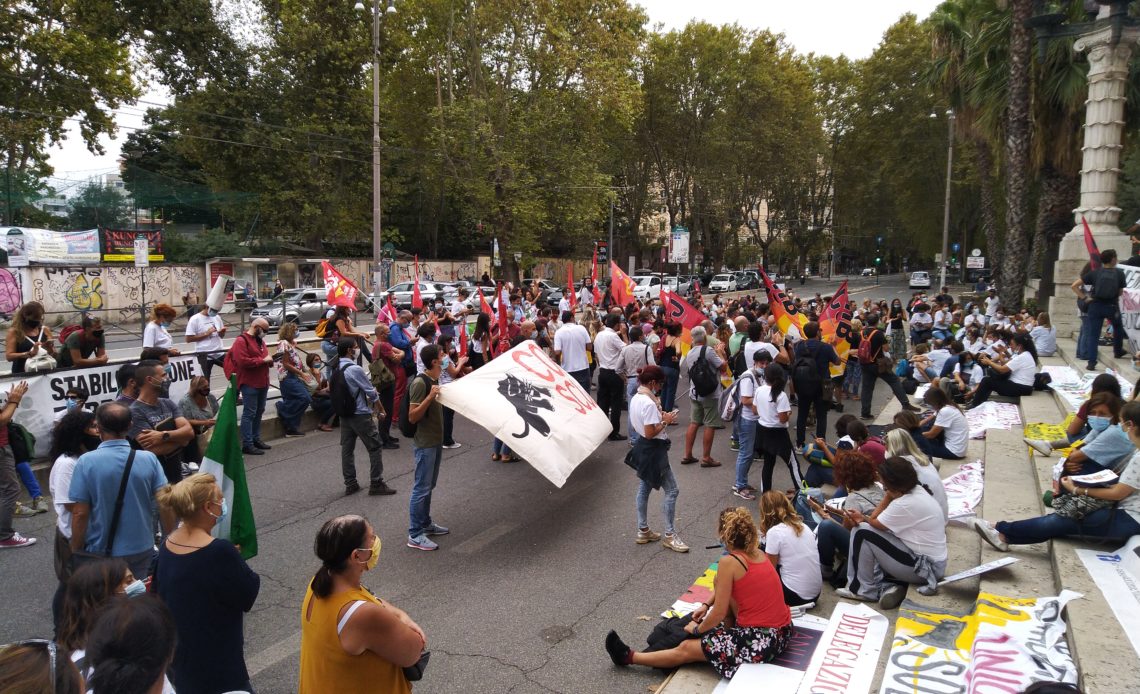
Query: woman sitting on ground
x: 901, y: 443
x: 819, y: 474
x: 855, y: 472
x: 945, y: 433
x: 903, y: 541
x: 1106, y: 447
x: 1044, y: 336
x: 1078, y: 428
x: 791, y: 548
x: 1013, y: 378
x: 746, y: 621
x: 1118, y: 520
x: 321, y: 402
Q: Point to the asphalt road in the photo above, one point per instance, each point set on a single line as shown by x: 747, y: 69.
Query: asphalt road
x: 521, y: 593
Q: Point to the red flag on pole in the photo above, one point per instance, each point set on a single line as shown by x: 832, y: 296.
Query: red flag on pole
x: 594, y: 278
x: 417, y: 300
x: 463, y: 338
x: 392, y: 314
x: 621, y: 286
x: 483, y: 306
x: 504, y: 340
x: 1090, y: 244
x: 340, y: 291
x: 573, y: 297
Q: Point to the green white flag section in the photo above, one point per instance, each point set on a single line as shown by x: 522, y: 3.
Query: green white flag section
x: 529, y: 403
x: 224, y: 461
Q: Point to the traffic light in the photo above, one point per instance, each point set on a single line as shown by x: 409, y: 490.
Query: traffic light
x: 878, y: 261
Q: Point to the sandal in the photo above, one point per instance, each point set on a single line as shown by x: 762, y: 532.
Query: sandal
x: 512, y: 458
x: 709, y: 462
x: 495, y: 457
x: 688, y: 460
x: 324, y: 427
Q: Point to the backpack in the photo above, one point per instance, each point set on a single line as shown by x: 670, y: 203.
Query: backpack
x: 1106, y: 285
x: 805, y: 376
x: 866, y: 356
x: 22, y: 441
x: 66, y: 331
x: 322, y: 328
x: 340, y: 394
x: 729, y: 405
x: 380, y: 375
x: 703, y: 376
x: 738, y: 364
x: 407, y: 426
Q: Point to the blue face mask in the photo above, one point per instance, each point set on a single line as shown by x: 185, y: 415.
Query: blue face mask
x: 1098, y: 423
x: 224, y: 512
x: 212, y: 312
x: 72, y: 403
x: 135, y: 589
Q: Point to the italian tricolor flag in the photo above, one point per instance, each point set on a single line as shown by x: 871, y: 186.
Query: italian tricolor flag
x: 224, y: 461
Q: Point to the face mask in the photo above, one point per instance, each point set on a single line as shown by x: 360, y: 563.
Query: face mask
x: 224, y: 512
x: 1099, y: 423
x: 72, y: 403
x: 169, y: 369
x: 318, y: 364
x: 164, y: 324
x: 212, y: 312
x: 135, y: 589
x: 97, y: 334
x: 91, y: 442
x: 375, y: 557
x: 32, y: 324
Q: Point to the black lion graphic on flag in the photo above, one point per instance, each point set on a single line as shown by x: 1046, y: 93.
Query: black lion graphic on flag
x: 527, y: 399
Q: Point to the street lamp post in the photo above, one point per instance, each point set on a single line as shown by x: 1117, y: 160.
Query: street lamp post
x: 377, y: 242
x: 946, y: 206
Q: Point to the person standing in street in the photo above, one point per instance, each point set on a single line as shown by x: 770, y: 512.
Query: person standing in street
x: 704, y: 406
x: 1104, y: 304
x: 205, y: 331
x: 871, y: 373
x: 811, y: 377
x: 634, y: 357
x: 98, y: 525
x: 360, y: 424
x: 401, y: 340
x: 9, y: 480
x: 251, y: 361
x: 571, y: 343
x: 650, y: 458
x: 426, y: 412
x: 611, y: 388
x: 157, y: 425
x: 384, y: 351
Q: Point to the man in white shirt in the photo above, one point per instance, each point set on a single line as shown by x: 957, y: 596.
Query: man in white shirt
x: 571, y: 342
x: 564, y: 302
x: 992, y: 303
x: 611, y: 386
x: 205, y: 331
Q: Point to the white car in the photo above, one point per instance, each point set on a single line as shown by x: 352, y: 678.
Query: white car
x: 646, y: 286
x: 919, y: 280
x: 867, y: 272
x: 723, y: 283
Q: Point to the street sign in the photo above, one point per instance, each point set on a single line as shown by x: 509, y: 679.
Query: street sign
x: 603, y: 251
x: 977, y: 252
x: 679, y: 245
x: 142, y: 252
x: 938, y: 257
x: 975, y: 262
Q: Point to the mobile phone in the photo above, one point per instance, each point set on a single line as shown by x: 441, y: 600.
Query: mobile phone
x: 278, y: 356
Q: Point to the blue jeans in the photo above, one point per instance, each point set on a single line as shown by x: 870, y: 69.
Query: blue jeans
x: 1099, y: 312
x: 427, y: 472
x: 294, y: 401
x: 582, y: 377
x: 668, y: 504
x: 831, y: 538
x: 1081, y: 336
x: 253, y: 407
x: 801, y: 505
x: 1107, y: 523
x: 331, y: 357
x: 669, y: 392
x: 747, y: 440
x: 500, y: 448
x: 24, y: 470
x: 630, y: 391
x: 817, y: 475
x: 935, y: 448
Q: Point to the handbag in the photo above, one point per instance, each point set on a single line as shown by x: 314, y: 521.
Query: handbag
x: 1076, y: 507
x: 41, y: 361
x: 885, y: 365
x: 415, y: 673
x: 81, y: 557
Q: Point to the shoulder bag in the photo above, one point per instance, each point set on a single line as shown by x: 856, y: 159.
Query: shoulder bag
x: 81, y: 557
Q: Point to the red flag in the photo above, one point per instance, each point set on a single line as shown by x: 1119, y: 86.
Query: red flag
x: 392, y: 315
x: 835, y: 323
x: 1090, y: 244
x: 340, y: 291
x: 573, y: 297
x: 788, y: 317
x: 417, y: 300
x: 463, y: 339
x: 621, y: 285
x: 594, y: 278
x: 504, y: 340
x: 680, y: 311
x: 483, y: 307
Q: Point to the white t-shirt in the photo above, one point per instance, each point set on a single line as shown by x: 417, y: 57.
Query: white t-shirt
x: 607, y: 348
x: 748, y: 390
x: 955, y: 427
x: 1045, y: 339
x: 60, y: 482
x: 938, y: 358
x: 643, y: 411
x: 1022, y: 369
x: 799, y: 559
x: 768, y: 411
x: 199, y: 324
x: 992, y: 303
x: 921, y: 321
x: 456, y: 308
x: 972, y: 373
x: 1131, y: 477
x: 417, y: 347
x: 917, y: 520
x: 571, y: 340
x: 155, y: 335
x: 563, y: 305
x: 942, y: 319
x: 751, y: 348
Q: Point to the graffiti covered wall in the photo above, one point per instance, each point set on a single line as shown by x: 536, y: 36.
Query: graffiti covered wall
x: 112, y: 288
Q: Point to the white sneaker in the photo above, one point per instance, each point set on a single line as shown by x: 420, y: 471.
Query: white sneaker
x: 644, y: 537
x: 674, y: 543
x: 845, y: 593
x: 990, y: 535
x: 1040, y: 445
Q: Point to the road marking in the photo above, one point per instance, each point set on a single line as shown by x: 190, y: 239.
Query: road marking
x: 477, y: 542
x: 286, y: 647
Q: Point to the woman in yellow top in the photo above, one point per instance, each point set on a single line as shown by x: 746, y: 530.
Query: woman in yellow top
x: 351, y: 641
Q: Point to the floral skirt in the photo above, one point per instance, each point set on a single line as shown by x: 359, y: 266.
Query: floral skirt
x: 727, y: 649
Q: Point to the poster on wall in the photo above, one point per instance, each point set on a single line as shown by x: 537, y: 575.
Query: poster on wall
x: 118, y: 245
x: 54, y: 247
x: 217, y: 270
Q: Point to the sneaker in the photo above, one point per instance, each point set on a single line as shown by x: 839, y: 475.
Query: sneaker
x: 186, y: 470
x: 381, y: 489
x: 990, y: 535
x: 847, y: 594
x: 435, y: 529
x: 644, y: 537
x: 41, y: 504
x: 421, y: 542
x: 252, y: 450
x: 1040, y: 445
x: 911, y: 408
x: 293, y: 433
x: 744, y: 493
x: 262, y: 445
x: 390, y: 446
x: 23, y: 511
x: 616, y: 437
x: 452, y: 446
x: 351, y: 488
x: 734, y: 444
x: 892, y: 596
x: 866, y: 418
x: 619, y: 652
x: 17, y: 540
x: 674, y: 543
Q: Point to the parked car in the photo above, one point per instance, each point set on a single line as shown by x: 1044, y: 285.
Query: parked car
x: 681, y: 286
x: 867, y: 272
x: 473, y: 300
x: 305, y: 307
x: 919, y: 280
x: 402, y: 293
x: 451, y: 289
x: 723, y: 283
x: 747, y: 279
x: 554, y: 291
x: 647, y: 286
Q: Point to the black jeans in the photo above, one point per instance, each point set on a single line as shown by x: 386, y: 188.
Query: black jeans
x: 821, y: 406
x: 611, y: 396
x: 387, y: 396
x: 1000, y: 385
x: 870, y: 374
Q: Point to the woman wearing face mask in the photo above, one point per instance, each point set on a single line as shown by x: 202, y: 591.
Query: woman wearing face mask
x: 208, y: 586
x: 156, y: 333
x: 27, y: 336
x: 1078, y: 427
x: 1116, y: 523
x: 351, y: 640
x: 1105, y: 447
x: 1012, y: 379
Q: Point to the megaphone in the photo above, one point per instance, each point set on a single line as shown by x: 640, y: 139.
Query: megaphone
x: 217, y: 297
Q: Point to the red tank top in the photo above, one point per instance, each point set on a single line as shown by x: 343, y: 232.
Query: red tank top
x: 759, y: 596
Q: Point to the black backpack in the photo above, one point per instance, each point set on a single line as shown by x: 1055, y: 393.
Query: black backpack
x: 407, y: 426
x: 703, y: 376
x: 805, y: 376
x: 340, y: 394
x: 1106, y: 284
x: 738, y: 364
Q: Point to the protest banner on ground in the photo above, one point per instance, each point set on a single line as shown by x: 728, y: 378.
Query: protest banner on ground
x: 964, y: 490
x: 979, y: 570
x: 992, y: 415
x: 527, y: 401
x: 45, y: 396
x: 848, y: 652
x: 946, y: 652
x: 1044, y: 431
x: 1117, y: 574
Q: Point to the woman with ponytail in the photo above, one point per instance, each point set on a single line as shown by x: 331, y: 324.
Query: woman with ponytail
x: 208, y: 587
x: 746, y: 621
x: 130, y: 646
x: 791, y: 548
x: 352, y: 641
x: 903, y: 541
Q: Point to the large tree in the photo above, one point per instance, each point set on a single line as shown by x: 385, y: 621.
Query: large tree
x: 98, y: 206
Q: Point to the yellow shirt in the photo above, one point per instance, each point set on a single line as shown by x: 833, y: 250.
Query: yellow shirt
x: 326, y: 667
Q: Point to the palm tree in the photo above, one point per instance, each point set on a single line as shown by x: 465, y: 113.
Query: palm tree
x: 1016, y: 151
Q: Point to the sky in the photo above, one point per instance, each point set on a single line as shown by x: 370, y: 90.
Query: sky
x: 850, y: 27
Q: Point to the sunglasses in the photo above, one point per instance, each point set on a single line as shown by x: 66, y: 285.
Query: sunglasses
x: 52, y: 649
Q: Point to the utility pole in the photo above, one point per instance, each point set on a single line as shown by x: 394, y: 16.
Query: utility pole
x: 946, y: 207
x: 610, y: 254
